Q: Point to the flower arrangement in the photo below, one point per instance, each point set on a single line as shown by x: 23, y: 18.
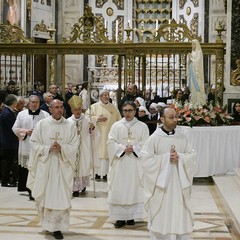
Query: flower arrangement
x: 190, y: 115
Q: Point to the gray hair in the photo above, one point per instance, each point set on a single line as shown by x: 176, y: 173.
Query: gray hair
x: 10, y: 99
x: 46, y: 94
x: 33, y: 96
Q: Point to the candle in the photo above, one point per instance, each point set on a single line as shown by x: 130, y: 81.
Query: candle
x: 129, y: 23
x: 116, y: 30
x: 156, y: 24
x: 105, y: 24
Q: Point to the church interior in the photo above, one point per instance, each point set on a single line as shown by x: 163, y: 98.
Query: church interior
x: 111, y: 44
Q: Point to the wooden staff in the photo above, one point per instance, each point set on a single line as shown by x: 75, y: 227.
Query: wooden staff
x: 92, y: 155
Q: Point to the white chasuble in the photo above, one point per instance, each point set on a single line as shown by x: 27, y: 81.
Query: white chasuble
x: 50, y: 175
x: 168, y: 186
x: 112, y: 114
x: 126, y: 194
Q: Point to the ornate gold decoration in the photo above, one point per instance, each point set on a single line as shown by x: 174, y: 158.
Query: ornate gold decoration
x: 109, y: 11
x: 235, y: 74
x: 51, y: 31
x: 119, y: 4
x: 28, y: 70
x: 194, y: 24
x: 219, y: 74
x: 12, y: 33
x: 118, y: 29
x: 29, y: 8
x: 41, y: 27
x: 52, y: 69
x: 129, y: 69
x: 182, y: 3
x: 182, y: 19
x: 99, y: 60
x: 148, y: 12
x: 188, y: 11
x: 174, y: 32
x: 195, y: 3
x: 220, y: 27
x: 128, y: 31
x: 89, y: 29
x: 100, y: 3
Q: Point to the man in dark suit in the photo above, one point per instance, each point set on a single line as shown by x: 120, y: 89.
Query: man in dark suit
x: 47, y: 98
x: 132, y: 94
x: 9, y: 142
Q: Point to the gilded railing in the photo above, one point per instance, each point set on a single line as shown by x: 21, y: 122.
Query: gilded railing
x: 89, y: 37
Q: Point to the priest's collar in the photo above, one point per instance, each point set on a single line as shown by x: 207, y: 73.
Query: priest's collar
x: 104, y: 104
x: 129, y: 123
x: 30, y: 112
x: 59, y: 121
x: 167, y: 132
x: 78, y: 119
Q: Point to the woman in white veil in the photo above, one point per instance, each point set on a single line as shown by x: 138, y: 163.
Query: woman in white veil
x: 195, y: 75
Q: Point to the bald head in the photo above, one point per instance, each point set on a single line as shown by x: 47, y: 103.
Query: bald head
x: 56, y: 109
x: 168, y: 118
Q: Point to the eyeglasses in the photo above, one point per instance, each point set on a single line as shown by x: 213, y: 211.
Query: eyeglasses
x: 127, y: 110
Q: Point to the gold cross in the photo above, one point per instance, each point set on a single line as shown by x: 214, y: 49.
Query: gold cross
x: 56, y: 138
x: 129, y: 138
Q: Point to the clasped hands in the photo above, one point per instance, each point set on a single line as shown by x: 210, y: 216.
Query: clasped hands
x: 55, y: 148
x: 101, y: 118
x: 29, y: 132
x: 174, y: 156
x: 128, y: 149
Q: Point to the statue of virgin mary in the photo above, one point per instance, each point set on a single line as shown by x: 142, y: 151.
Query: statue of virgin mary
x: 195, y: 76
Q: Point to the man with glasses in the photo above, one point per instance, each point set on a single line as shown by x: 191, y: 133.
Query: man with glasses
x: 168, y: 162
x: 125, y: 141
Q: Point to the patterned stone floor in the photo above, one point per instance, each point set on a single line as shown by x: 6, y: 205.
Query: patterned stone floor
x: 89, y: 217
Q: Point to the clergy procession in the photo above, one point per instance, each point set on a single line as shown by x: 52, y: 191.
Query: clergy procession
x: 53, y: 147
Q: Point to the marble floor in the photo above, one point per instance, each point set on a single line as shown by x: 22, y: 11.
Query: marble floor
x: 89, y: 216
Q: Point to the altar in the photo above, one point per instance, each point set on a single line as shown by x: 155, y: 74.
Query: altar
x: 217, y: 147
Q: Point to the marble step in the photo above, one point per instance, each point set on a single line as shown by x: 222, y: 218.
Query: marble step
x: 229, y: 187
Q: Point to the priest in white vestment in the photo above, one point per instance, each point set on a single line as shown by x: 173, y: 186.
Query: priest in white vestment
x: 126, y: 193
x: 54, y: 145
x: 23, y: 127
x: 169, y: 163
x: 103, y: 114
x: 86, y: 149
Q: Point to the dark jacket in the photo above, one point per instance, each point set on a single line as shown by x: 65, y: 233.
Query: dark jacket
x: 45, y: 107
x: 8, y: 139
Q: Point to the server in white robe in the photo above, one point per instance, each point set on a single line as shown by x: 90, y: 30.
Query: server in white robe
x: 23, y: 127
x: 54, y: 145
x: 168, y: 162
x: 86, y: 151
x: 126, y: 193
